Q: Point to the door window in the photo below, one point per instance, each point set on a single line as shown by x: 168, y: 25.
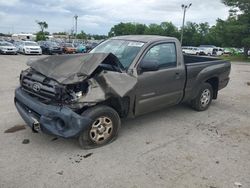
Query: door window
x: 163, y: 54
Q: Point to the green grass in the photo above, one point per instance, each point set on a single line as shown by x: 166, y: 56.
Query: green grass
x: 237, y: 58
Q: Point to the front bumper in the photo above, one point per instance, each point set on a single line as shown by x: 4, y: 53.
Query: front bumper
x: 33, y: 52
x: 55, y: 120
x: 8, y: 51
x: 55, y: 51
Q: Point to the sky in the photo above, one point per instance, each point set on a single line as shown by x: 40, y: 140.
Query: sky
x: 98, y: 16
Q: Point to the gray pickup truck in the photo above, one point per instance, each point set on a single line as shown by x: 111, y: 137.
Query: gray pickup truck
x: 85, y: 96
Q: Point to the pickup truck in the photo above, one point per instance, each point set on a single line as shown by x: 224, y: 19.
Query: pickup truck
x: 85, y: 96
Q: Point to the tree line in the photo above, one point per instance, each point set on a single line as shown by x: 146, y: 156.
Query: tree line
x: 233, y: 32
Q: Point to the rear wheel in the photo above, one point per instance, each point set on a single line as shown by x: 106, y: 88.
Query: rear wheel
x: 204, y: 98
x: 103, y: 129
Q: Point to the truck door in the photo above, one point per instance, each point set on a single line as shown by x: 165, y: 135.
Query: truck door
x: 163, y: 87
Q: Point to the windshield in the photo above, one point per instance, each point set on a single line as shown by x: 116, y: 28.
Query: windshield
x: 30, y: 44
x: 5, y: 44
x: 54, y: 44
x: 125, y: 51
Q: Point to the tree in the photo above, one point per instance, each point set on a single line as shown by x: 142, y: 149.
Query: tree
x: 242, y: 5
x: 239, y: 23
x: 60, y: 33
x: 169, y: 29
x: 127, y: 29
x: 43, y: 25
x: 154, y: 29
x: 81, y: 35
x: 41, y: 34
x: 190, y: 34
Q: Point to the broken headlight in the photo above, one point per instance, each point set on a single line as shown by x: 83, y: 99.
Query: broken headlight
x: 77, y: 91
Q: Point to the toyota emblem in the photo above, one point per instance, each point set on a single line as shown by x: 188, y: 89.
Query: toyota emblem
x: 36, y: 87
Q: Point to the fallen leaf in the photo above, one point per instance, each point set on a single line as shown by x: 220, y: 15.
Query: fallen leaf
x: 26, y: 141
x: 60, y: 173
x: 15, y: 129
x: 88, y: 155
x: 53, y: 139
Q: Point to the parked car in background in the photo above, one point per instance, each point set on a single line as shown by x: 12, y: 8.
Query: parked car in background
x: 206, y: 51
x: 233, y: 51
x: 50, y: 48
x: 218, y: 51
x: 80, y: 48
x: 90, y: 46
x: 239, y: 51
x: 69, y: 48
x: 7, y: 48
x: 30, y: 47
x: 228, y: 51
x: 17, y: 45
x: 190, y: 50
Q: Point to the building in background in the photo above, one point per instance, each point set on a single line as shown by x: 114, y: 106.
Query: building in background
x: 23, y: 36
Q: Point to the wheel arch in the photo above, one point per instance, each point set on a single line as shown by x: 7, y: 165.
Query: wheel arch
x: 121, y: 105
x: 214, y: 82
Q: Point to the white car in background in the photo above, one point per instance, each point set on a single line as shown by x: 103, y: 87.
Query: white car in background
x: 29, y: 47
x: 190, y: 50
x: 206, y: 51
x: 218, y: 51
x: 7, y: 48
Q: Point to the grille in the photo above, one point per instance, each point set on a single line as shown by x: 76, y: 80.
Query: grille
x: 40, y: 86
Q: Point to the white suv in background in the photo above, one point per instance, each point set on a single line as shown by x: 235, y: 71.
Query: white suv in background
x: 30, y: 47
x: 190, y: 50
x: 218, y: 51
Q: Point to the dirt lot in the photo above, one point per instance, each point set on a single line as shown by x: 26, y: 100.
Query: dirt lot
x: 176, y: 147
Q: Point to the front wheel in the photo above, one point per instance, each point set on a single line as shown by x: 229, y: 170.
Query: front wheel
x: 103, y: 129
x: 204, y: 98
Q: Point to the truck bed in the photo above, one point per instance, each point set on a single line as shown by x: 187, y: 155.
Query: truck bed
x: 188, y: 59
x: 200, y: 68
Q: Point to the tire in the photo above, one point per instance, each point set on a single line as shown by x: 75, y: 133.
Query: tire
x: 204, y: 98
x: 94, y: 135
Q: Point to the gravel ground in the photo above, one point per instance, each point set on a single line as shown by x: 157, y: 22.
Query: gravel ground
x: 175, y: 147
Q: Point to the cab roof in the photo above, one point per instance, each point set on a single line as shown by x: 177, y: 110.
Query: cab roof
x: 143, y: 38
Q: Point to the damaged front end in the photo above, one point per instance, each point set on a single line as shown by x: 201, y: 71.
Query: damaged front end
x: 53, y: 95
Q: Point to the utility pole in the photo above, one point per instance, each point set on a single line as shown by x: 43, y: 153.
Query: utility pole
x: 184, y: 8
x: 76, y: 16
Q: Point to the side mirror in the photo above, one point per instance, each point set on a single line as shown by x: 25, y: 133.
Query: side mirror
x: 147, y: 66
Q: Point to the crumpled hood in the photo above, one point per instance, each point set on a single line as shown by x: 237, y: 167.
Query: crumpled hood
x: 70, y: 69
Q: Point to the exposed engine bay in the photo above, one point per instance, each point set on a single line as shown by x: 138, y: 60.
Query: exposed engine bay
x: 77, y: 80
